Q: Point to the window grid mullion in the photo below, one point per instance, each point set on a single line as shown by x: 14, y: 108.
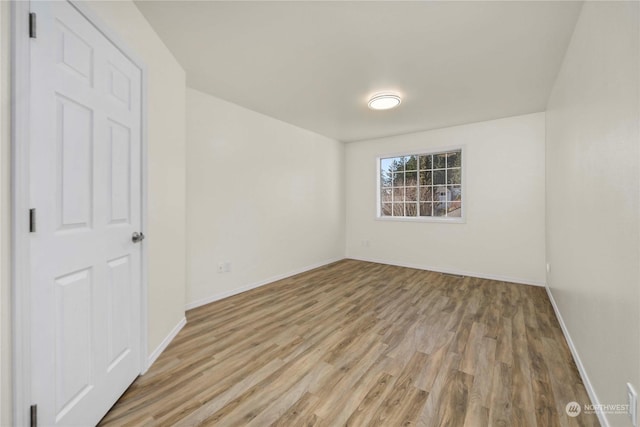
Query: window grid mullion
x: 430, y: 168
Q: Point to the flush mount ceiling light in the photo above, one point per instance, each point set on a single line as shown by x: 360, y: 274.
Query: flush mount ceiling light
x: 384, y: 101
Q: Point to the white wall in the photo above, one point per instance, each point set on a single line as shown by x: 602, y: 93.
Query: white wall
x: 592, y: 196
x: 166, y: 179
x: 263, y: 195
x: 5, y: 232
x: 503, y: 236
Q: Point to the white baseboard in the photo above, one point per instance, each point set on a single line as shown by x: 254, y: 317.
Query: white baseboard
x: 453, y: 271
x: 165, y: 343
x: 226, y: 294
x: 576, y: 357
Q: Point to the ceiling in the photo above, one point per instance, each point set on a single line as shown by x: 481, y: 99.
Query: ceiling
x: 315, y: 64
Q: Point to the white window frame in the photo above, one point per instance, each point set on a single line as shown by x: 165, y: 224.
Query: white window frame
x: 438, y: 219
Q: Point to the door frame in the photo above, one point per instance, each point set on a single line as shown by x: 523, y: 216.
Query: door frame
x: 20, y: 198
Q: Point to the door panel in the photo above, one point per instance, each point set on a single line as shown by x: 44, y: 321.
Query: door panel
x: 74, y: 138
x: 119, y: 173
x: 85, y: 157
x: 119, y: 309
x: 74, y: 336
x: 119, y: 86
x: 74, y: 52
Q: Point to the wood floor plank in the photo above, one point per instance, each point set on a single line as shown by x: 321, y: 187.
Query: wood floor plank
x: 278, y: 407
x: 346, y: 389
x: 409, y: 412
x: 480, y: 393
x: 360, y: 344
x: 472, y: 348
x: 201, y: 408
x: 504, y: 346
x: 431, y: 413
x: 501, y: 408
x: 365, y: 410
x: 454, y: 399
x: 299, y: 410
x: 522, y: 393
x: 392, y: 407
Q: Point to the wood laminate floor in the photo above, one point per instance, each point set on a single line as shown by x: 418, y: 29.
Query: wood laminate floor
x: 361, y: 344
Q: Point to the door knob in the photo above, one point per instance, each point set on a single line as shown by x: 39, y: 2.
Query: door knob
x: 137, y: 237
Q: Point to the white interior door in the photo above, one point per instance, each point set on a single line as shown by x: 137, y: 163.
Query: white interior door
x: 85, y: 185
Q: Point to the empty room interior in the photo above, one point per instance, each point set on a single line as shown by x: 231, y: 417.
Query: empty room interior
x: 321, y: 213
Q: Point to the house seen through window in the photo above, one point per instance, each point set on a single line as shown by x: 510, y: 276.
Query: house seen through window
x: 421, y: 185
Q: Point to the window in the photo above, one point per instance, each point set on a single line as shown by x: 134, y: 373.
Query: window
x: 421, y: 186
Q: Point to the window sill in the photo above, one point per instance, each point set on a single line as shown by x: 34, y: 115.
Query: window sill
x: 445, y: 220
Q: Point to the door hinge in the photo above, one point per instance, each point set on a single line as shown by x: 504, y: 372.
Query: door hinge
x: 32, y: 25
x: 34, y: 415
x: 32, y: 220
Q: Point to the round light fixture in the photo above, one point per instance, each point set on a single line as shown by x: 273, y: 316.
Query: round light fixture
x: 384, y: 101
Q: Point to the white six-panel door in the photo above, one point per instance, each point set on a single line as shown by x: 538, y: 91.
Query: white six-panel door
x: 85, y: 185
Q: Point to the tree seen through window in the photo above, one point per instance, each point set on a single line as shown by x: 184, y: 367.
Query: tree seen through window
x: 421, y: 185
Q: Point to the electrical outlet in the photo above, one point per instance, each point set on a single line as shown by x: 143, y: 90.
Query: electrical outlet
x: 227, y: 267
x: 221, y: 267
x: 632, y: 398
x: 365, y: 243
